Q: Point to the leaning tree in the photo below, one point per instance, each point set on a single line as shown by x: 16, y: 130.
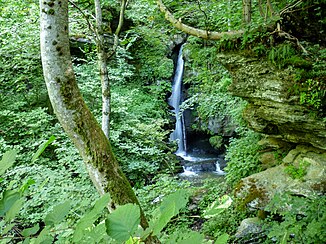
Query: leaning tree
x: 71, y: 110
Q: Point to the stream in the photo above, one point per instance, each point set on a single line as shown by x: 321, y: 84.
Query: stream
x: 197, y: 160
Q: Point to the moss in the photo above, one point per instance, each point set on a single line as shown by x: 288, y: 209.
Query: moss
x: 320, y: 187
x: 51, y: 3
x: 246, y: 193
x: 51, y: 12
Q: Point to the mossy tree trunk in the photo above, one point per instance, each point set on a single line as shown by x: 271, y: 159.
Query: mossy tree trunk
x: 71, y: 110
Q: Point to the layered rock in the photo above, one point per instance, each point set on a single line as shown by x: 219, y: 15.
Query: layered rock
x: 274, y: 107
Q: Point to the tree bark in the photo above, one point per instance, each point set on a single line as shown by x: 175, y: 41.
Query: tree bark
x: 118, y: 30
x: 246, y: 11
x: 71, y: 110
x: 102, y: 63
x: 210, y: 35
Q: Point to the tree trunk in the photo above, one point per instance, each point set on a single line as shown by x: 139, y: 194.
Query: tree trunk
x: 71, y: 110
x: 211, y: 35
x: 246, y: 11
x: 118, y: 30
x: 102, y: 63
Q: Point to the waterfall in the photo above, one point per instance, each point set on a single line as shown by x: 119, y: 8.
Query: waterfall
x: 175, y: 100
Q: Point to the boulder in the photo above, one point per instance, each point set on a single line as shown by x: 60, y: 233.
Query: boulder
x: 301, y: 173
x: 249, y: 231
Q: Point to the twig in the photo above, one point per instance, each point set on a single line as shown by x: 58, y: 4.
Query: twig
x: 290, y: 37
x: 90, y: 26
x: 290, y: 6
x: 206, y: 18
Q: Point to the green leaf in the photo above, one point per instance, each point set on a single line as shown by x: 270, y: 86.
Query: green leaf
x: 30, y: 231
x: 58, y: 213
x: 222, y: 239
x: 7, y: 160
x: 42, y: 147
x: 188, y: 238
x: 28, y: 183
x: 123, y: 222
x: 44, y: 237
x: 8, y: 200
x: 218, y: 206
x: 14, y: 210
x: 88, y: 219
x: 170, y: 207
x: 6, y: 229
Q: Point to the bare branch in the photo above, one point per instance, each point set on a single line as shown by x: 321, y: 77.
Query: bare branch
x: 90, y: 26
x: 210, y: 35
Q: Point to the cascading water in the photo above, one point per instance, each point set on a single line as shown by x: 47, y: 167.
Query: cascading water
x: 175, y: 100
x: 193, y: 163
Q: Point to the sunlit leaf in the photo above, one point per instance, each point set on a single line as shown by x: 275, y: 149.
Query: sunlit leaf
x: 88, y: 219
x: 222, y: 239
x: 31, y: 231
x: 7, y: 160
x: 42, y: 147
x: 218, y: 206
x: 123, y: 222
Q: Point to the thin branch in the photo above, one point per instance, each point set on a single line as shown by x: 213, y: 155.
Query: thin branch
x: 292, y: 38
x: 289, y: 7
x: 206, y: 18
x: 90, y: 26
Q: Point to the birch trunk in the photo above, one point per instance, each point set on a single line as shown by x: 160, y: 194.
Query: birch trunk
x: 102, y: 63
x: 71, y: 110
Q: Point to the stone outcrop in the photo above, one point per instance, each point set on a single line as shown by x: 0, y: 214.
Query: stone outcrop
x: 274, y: 107
x: 302, y: 173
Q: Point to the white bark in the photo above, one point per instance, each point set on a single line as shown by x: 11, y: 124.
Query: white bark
x: 102, y: 63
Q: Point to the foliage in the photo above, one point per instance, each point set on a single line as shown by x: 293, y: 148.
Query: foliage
x: 225, y: 222
x: 121, y: 224
x: 218, y: 207
x: 297, y: 172
x: 315, y: 94
x: 242, y: 156
x: 216, y: 141
x: 296, y: 219
x: 209, y: 98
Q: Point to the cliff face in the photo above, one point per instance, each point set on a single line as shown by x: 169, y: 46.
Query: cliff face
x: 274, y: 107
x: 274, y: 110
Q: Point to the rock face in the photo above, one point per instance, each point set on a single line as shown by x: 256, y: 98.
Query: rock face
x: 273, y: 105
x: 302, y: 173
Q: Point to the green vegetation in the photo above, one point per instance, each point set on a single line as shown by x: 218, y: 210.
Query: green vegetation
x: 297, y: 172
x: 301, y: 220
x: 46, y: 193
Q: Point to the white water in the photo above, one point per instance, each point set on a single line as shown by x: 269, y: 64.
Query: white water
x: 175, y: 100
x: 179, y: 134
x: 218, y: 170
